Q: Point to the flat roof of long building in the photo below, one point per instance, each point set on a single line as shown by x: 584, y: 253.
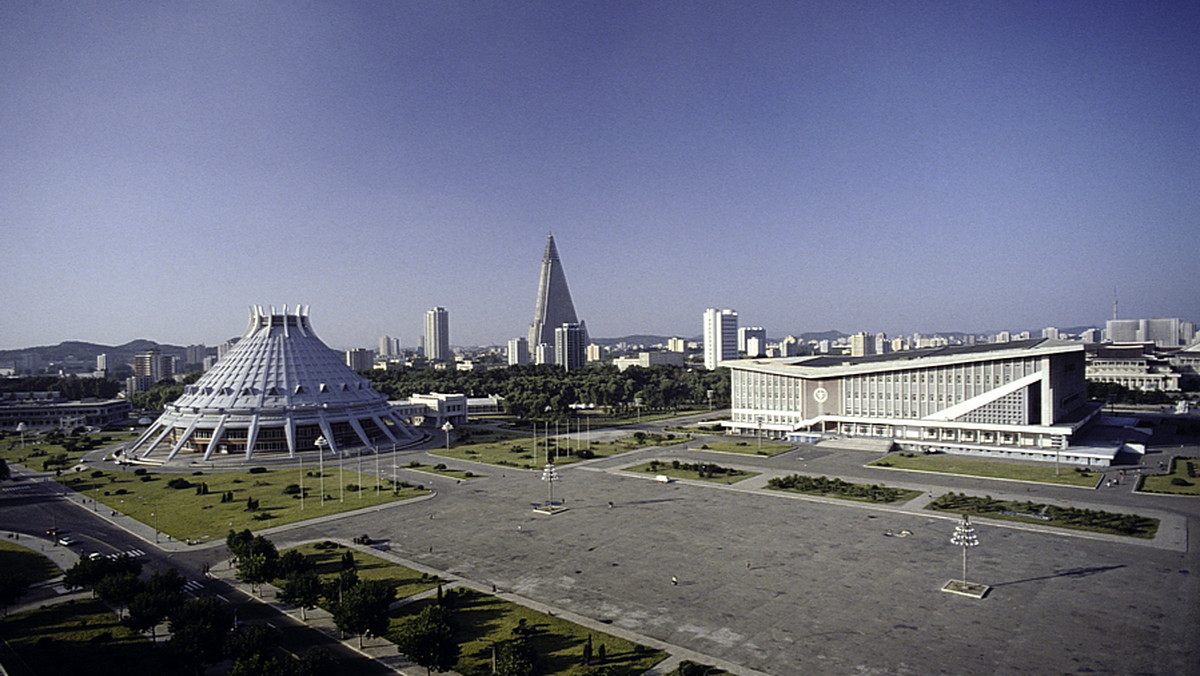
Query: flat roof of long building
x: 826, y: 366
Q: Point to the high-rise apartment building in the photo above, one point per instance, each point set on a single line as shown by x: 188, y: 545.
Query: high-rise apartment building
x: 518, y: 351
x: 195, y: 354
x: 745, y: 333
x: 360, y: 359
x: 389, y: 346
x: 861, y: 344
x: 720, y: 336
x: 570, y: 343
x: 677, y: 344
x: 554, y: 306
x: 154, y: 365
x: 1169, y: 332
x: 437, y: 335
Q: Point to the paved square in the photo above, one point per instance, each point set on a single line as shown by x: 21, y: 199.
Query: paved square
x: 787, y: 585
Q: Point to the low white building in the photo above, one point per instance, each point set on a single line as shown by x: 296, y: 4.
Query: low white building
x: 1022, y: 399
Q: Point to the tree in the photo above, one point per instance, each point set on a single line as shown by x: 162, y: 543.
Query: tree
x: 257, y: 664
x: 255, y: 570
x: 292, y: 562
x: 12, y: 588
x: 118, y: 589
x: 516, y: 658
x: 148, y: 609
x: 302, y: 589
x: 315, y: 663
x: 428, y: 639
x: 198, y: 630
x: 364, y: 609
x: 250, y: 640
x: 87, y: 572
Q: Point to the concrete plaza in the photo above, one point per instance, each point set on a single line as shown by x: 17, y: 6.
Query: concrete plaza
x: 783, y: 585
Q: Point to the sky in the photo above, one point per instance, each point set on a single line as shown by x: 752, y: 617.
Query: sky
x: 859, y: 166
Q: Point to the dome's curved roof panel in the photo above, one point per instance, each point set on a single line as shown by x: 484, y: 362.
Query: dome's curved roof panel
x: 279, y: 362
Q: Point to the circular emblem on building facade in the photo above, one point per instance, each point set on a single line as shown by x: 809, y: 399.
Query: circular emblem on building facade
x: 820, y: 395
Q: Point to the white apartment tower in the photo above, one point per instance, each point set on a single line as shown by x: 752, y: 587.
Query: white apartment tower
x: 570, y: 346
x: 437, y: 335
x: 720, y: 336
x: 518, y: 351
x: 745, y: 333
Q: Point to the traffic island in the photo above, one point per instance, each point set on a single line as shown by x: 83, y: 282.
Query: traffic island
x: 550, y: 509
x: 973, y: 589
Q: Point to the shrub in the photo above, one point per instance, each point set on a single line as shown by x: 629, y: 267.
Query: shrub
x: 258, y: 470
x: 179, y: 483
x: 97, y: 474
x: 120, y: 491
x: 140, y: 471
x: 1177, y: 481
x: 440, y: 466
x: 147, y: 477
x: 291, y: 489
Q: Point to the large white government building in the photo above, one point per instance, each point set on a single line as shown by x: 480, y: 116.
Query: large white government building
x: 1021, y: 399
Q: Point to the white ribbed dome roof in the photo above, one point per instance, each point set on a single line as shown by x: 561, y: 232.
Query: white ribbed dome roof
x: 279, y: 389
x: 279, y: 362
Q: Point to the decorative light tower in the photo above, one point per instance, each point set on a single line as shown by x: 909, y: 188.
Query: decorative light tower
x: 549, y: 475
x: 321, y: 443
x: 447, y: 428
x: 965, y: 537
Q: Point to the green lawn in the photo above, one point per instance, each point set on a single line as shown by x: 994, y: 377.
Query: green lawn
x: 989, y: 469
x: 41, y: 455
x: 1047, y: 515
x: 482, y: 620
x: 370, y: 567
x: 519, y: 452
x: 184, y: 515
x: 836, y: 488
x: 1183, y: 479
x: 80, y: 637
x: 692, y: 471
x: 746, y: 447
x: 17, y: 560
x: 445, y: 471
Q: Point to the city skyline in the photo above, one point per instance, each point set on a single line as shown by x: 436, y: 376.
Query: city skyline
x: 877, y: 168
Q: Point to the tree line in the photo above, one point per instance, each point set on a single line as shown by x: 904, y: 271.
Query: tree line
x: 530, y: 390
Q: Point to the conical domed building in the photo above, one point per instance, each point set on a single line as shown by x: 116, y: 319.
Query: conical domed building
x: 278, y: 390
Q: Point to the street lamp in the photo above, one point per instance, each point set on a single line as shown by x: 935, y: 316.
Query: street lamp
x: 758, y: 422
x: 300, y: 457
x: 447, y: 427
x: 550, y: 475
x: 964, y: 536
x: 155, y: 515
x: 21, y: 429
x: 321, y: 443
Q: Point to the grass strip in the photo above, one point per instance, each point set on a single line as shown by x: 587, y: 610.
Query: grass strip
x: 836, y: 488
x: 745, y: 447
x: 1068, y: 475
x: 205, y: 505
x: 26, y: 563
x: 80, y: 637
x: 1091, y: 520
x: 1184, y: 479
x: 443, y: 470
x: 698, y: 471
x: 482, y: 620
x: 326, y: 558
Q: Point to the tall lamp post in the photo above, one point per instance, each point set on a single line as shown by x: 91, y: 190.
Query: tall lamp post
x: 321, y: 443
x: 447, y: 428
x: 300, y: 457
x: 550, y: 475
x: 758, y: 422
x: 21, y: 429
x: 964, y: 536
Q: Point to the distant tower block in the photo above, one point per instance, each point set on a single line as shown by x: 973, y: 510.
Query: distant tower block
x: 554, y: 306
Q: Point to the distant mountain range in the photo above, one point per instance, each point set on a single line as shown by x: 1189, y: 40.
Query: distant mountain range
x: 87, y: 352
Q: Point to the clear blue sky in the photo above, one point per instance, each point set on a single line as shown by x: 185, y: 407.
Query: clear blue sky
x: 879, y: 166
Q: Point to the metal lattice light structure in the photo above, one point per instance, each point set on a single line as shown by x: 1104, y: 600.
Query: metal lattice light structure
x: 964, y: 536
x: 550, y: 475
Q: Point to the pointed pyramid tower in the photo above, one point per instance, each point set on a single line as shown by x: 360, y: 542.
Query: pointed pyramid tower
x: 554, y: 306
x: 278, y: 390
